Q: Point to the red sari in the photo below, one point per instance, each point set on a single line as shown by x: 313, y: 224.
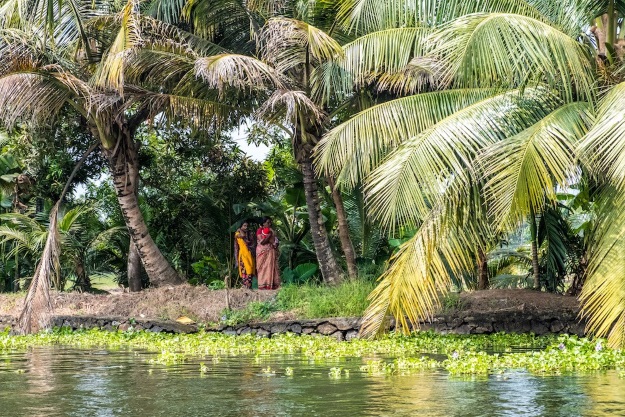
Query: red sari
x: 267, y: 260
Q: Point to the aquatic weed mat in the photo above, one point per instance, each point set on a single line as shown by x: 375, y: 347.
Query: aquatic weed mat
x: 389, y: 355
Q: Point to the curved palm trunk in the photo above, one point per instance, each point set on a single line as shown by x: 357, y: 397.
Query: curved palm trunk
x: 330, y: 269
x: 346, y: 241
x: 125, y: 172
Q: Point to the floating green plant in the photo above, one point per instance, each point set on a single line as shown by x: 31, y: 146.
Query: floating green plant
x: 389, y: 355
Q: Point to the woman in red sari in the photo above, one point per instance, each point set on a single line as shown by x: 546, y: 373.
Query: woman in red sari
x: 267, y: 257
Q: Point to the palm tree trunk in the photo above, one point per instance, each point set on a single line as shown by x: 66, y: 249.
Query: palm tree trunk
x: 611, y: 24
x: 134, y: 268
x: 346, y: 241
x: 125, y: 172
x: 83, y: 283
x: 534, y: 246
x: 482, y: 270
x: 330, y: 269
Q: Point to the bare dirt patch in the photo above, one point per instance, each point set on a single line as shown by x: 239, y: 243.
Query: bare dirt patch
x: 167, y: 303
x: 526, y: 300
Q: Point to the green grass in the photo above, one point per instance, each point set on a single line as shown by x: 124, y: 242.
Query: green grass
x: 310, y: 301
x: 104, y: 282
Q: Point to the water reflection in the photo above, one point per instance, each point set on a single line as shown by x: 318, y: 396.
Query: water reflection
x: 67, y: 382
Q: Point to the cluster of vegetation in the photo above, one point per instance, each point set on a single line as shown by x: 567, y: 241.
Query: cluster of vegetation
x: 479, y: 142
x: 391, y: 354
x: 307, y: 301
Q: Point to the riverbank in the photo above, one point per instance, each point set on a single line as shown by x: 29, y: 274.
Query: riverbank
x: 300, y: 310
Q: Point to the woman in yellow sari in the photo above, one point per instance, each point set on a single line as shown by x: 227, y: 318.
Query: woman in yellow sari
x: 244, y: 249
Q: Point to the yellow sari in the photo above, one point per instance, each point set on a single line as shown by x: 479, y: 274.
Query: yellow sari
x: 245, y: 259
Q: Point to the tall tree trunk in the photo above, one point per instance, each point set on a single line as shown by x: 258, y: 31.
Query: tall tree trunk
x: 330, y: 269
x: 534, y: 246
x: 134, y: 268
x: 16, y: 276
x: 346, y: 241
x: 125, y: 172
x: 482, y: 270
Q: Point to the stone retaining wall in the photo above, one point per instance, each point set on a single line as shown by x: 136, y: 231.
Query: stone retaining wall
x: 511, y: 321
x: 109, y: 323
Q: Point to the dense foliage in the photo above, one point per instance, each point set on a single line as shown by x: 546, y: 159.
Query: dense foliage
x: 479, y: 142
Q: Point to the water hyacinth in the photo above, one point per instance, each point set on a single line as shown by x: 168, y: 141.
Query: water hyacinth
x: 390, y: 355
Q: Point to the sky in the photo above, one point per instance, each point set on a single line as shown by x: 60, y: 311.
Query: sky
x: 257, y: 153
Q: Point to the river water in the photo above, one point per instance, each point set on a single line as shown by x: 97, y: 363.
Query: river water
x: 69, y: 382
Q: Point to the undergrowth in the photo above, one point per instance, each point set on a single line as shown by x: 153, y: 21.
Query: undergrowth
x: 309, y: 301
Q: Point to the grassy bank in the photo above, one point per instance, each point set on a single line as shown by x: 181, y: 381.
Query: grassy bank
x: 391, y: 354
x: 309, y: 301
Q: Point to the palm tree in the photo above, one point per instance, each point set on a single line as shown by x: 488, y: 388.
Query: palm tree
x: 290, y: 52
x: 504, y: 93
x: 80, y: 243
x: 138, y: 68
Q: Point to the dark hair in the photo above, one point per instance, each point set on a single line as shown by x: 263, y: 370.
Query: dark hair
x: 264, y: 220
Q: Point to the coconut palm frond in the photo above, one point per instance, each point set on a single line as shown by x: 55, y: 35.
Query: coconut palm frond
x: 110, y: 73
x: 420, y: 74
x: 70, y: 219
x: 603, y: 148
x: 524, y: 170
x: 13, y: 13
x: 287, y: 43
x: 169, y: 11
x: 238, y: 71
x: 233, y: 23
x: 416, y: 174
x: 21, y: 221
x: 422, y: 271
x: 104, y: 238
x: 571, y: 16
x: 366, y: 58
x: 287, y: 106
x: 199, y: 112
x: 161, y: 65
x: 507, y: 50
x: 37, y: 310
x: 363, y: 16
x: 159, y: 32
x: 603, y: 293
x: 385, y: 51
x: 20, y: 238
x: 30, y: 96
x: 353, y: 149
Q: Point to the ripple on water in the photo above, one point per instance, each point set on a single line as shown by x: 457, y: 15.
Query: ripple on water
x: 74, y: 382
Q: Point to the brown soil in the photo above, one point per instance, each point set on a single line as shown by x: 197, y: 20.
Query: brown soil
x: 204, y: 305
x: 167, y: 303
x: 526, y: 300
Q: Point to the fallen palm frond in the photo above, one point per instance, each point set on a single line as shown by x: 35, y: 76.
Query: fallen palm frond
x: 37, y: 311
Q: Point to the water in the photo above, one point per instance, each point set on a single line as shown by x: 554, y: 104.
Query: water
x: 70, y: 382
